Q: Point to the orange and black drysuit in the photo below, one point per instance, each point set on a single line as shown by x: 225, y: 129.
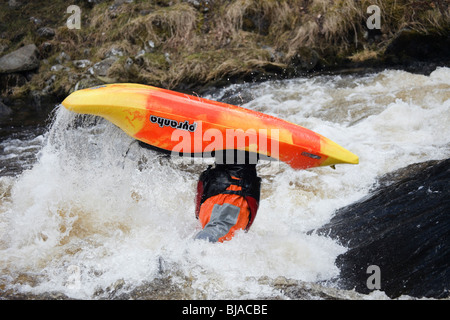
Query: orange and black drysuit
x: 227, y: 200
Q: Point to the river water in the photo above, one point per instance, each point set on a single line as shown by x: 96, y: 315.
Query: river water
x: 86, y: 213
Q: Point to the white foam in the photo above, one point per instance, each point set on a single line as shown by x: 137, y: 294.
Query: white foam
x: 98, y: 204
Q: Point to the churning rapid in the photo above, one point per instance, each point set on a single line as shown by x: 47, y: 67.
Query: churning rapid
x: 97, y: 216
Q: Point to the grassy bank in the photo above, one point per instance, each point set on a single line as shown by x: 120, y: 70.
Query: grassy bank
x: 189, y: 44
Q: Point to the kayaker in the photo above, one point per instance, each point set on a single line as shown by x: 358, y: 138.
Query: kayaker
x: 227, y: 200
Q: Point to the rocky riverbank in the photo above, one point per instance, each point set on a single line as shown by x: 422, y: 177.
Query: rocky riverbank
x: 193, y: 45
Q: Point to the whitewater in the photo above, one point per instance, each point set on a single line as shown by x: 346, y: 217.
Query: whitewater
x: 97, y: 216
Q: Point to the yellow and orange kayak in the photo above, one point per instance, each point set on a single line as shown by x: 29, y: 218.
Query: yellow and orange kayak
x: 190, y: 125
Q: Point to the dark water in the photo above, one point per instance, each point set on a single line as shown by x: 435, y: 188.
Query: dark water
x: 19, y: 147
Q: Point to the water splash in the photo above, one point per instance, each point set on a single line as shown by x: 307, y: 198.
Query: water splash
x: 98, y: 216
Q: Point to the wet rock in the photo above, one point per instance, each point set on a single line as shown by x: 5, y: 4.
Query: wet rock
x: 114, y: 52
x: 63, y: 57
x: 149, y: 46
x: 283, y: 282
x: 100, y: 69
x: 167, y: 57
x: 86, y: 82
x: 5, y: 111
x: 46, y: 32
x: 113, y: 290
x: 162, y: 288
x: 305, y: 59
x: 14, y: 3
x: 58, y: 67
x: 36, y: 103
x: 23, y: 59
x: 274, y: 54
x: 118, y: 3
x: 36, y: 21
x: 10, y: 80
x: 94, y: 1
x: 409, y: 45
x: 200, y: 5
x: 139, y: 58
x: 195, y: 3
x: 82, y: 64
x: 402, y: 228
x: 49, y: 85
x: 12, y: 295
x: 128, y: 64
x: 301, y: 290
x: 45, y: 49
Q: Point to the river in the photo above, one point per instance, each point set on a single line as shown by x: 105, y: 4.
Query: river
x: 85, y: 213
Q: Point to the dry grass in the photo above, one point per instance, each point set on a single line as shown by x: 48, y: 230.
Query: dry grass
x: 169, y: 26
x: 365, y: 55
x: 340, y: 24
x: 228, y: 40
